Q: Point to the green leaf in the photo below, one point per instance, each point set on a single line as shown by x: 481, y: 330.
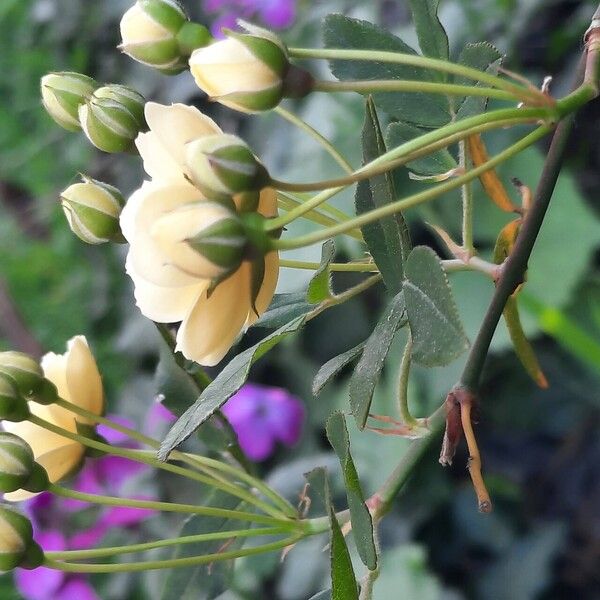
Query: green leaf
x: 438, y: 162
x: 225, y: 385
x: 482, y: 56
x: 388, y: 239
x: 333, y: 366
x: 362, y: 524
x: 283, y: 309
x: 426, y: 110
x: 204, y: 581
x: 433, y: 40
x: 343, y: 580
x: 437, y: 333
x: 367, y: 372
x: 319, y: 287
x: 174, y: 384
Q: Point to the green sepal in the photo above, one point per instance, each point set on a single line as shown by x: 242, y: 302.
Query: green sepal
x: 46, y: 393
x: 222, y: 243
x: 22, y: 526
x: 265, y: 50
x: 105, y: 135
x: 169, y: 14
x: 34, y: 556
x: 192, y: 36
x: 255, y: 101
x: 238, y: 169
x: 13, y: 406
x: 38, y: 481
x: 257, y: 276
x: 132, y: 100
x: 162, y: 54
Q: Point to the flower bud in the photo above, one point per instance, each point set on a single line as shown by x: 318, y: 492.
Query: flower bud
x: 92, y: 209
x: 108, y: 124
x: 18, y: 468
x: 223, y: 165
x: 245, y: 71
x: 159, y: 34
x: 204, y: 239
x: 63, y: 94
x: 24, y: 370
x: 17, y: 547
x: 13, y: 406
x: 133, y: 101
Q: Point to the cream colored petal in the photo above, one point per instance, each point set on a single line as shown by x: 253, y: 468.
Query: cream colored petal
x: 83, y: 378
x: 267, y: 203
x: 176, y: 125
x: 158, y: 163
x: 146, y: 205
x: 58, y: 463
x: 214, y: 323
x: 220, y: 80
x: 137, y: 27
x: 55, y: 369
x: 267, y: 289
x: 161, y: 304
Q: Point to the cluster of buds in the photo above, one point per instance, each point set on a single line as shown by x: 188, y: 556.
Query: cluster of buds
x: 111, y: 116
x: 158, y: 33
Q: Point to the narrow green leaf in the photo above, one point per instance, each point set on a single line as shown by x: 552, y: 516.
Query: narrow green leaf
x: 283, y: 309
x: 203, y: 582
x: 174, y: 384
x: 319, y: 287
x: 333, y: 366
x: 436, y: 163
x: 362, y: 524
x: 482, y: 56
x: 343, y: 580
x: 388, y: 239
x: 227, y: 383
x: 437, y: 332
x: 367, y: 372
x: 426, y: 110
x: 433, y: 40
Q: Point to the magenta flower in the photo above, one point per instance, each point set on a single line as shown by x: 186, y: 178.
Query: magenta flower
x: 278, y: 14
x: 262, y: 416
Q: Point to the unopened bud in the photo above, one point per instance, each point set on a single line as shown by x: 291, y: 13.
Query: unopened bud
x: 133, y: 101
x: 108, y: 124
x: 204, y: 239
x: 159, y: 34
x: 17, y: 547
x: 245, y: 71
x: 63, y: 94
x: 223, y: 165
x: 24, y: 370
x: 92, y: 209
x: 18, y: 469
x: 13, y: 406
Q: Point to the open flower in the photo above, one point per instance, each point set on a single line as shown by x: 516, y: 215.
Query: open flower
x: 166, y: 289
x: 77, y: 380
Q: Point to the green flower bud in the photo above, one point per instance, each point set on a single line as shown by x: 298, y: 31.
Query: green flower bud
x: 159, y: 34
x: 24, y: 370
x: 108, y: 124
x: 204, y: 239
x: 223, y: 165
x: 92, y: 209
x: 18, y: 469
x: 63, y: 94
x: 17, y: 547
x: 133, y: 101
x: 246, y: 71
x: 13, y: 406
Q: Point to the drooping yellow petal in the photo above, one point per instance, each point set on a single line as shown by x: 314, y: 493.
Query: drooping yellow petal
x: 83, y: 378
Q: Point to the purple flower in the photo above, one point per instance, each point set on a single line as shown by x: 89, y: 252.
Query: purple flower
x: 277, y: 14
x: 262, y: 416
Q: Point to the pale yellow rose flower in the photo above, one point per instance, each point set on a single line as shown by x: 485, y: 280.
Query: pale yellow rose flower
x: 77, y: 380
x: 170, y: 284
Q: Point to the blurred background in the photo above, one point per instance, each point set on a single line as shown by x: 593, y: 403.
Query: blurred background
x: 540, y: 448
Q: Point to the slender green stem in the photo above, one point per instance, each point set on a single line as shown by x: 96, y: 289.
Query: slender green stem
x: 414, y: 60
x: 191, y: 509
x: 352, y: 266
x: 171, y: 563
x: 424, y: 145
x: 143, y: 547
x: 411, y: 201
x: 467, y: 202
x: 407, y: 418
x: 398, y: 85
x: 334, y: 213
x: 140, y: 456
x: 472, y: 264
x: 325, y: 143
